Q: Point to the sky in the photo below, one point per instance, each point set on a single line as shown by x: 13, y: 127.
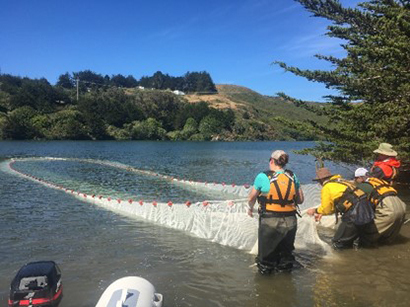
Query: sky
x: 236, y: 41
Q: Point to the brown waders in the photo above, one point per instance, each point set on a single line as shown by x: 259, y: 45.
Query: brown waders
x: 389, y: 217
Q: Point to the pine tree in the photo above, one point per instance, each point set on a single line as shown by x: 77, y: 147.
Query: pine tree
x: 65, y: 81
x: 372, y: 81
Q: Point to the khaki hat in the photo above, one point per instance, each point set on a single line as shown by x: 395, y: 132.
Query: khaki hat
x: 322, y: 173
x: 386, y: 149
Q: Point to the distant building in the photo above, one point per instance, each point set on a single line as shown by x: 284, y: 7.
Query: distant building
x: 141, y: 87
x: 177, y: 92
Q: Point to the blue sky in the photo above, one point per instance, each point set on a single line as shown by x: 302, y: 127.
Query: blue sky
x: 235, y: 41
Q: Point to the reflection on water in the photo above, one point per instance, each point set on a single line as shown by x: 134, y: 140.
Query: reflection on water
x: 94, y: 247
x: 368, y: 277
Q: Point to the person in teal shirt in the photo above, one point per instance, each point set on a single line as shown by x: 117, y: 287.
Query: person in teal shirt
x: 278, y: 193
x: 262, y: 182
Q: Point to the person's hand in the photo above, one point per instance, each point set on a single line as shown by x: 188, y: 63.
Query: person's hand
x: 250, y: 212
x: 311, y: 211
x: 318, y: 217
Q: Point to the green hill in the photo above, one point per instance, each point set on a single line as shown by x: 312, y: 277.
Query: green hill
x: 250, y: 106
x: 35, y: 109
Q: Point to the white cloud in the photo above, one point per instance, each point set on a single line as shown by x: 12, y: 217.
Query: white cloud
x: 311, y: 44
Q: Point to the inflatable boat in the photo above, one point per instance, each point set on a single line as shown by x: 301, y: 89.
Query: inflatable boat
x: 38, y: 284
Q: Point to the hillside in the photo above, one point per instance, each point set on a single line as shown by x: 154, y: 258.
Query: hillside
x: 244, y: 99
x: 250, y: 105
x: 35, y: 109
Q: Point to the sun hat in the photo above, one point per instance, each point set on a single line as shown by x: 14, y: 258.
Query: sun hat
x: 277, y: 154
x: 322, y: 173
x: 386, y: 149
x: 360, y: 172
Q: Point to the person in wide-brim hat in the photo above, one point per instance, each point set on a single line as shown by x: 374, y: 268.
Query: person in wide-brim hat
x: 386, y: 149
x: 322, y: 174
x: 386, y: 165
x: 334, y: 188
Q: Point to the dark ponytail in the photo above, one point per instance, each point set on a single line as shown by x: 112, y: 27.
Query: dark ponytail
x: 282, y: 161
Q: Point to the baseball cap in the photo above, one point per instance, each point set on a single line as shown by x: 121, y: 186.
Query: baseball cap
x: 277, y: 154
x: 360, y: 172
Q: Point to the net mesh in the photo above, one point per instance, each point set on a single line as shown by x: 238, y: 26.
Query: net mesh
x: 225, y: 222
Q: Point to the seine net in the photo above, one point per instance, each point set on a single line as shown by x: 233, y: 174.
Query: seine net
x: 222, y: 221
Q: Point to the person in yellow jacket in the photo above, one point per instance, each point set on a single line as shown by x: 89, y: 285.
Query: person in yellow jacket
x: 340, y: 196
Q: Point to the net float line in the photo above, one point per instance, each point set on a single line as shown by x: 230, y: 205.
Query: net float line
x: 230, y: 189
x: 224, y: 222
x: 109, y: 198
x: 311, y: 191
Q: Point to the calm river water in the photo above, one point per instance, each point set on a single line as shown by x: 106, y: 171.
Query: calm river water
x: 94, y: 247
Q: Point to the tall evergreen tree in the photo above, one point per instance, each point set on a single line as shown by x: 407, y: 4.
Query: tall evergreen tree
x: 158, y: 80
x: 205, y: 84
x: 118, y: 80
x: 372, y: 81
x: 65, y: 81
x: 131, y: 81
x: 89, y: 79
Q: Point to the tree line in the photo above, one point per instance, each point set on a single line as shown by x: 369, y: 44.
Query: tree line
x: 35, y: 109
x: 191, y: 82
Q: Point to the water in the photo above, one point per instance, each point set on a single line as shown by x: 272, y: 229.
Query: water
x: 94, y: 246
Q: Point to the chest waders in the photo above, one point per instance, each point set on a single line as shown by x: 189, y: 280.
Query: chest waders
x: 277, y: 223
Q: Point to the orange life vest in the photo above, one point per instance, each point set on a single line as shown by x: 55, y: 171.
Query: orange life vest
x: 282, y: 193
x: 381, y: 190
x: 389, y: 168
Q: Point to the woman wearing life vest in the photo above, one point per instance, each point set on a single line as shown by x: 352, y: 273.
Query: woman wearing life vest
x: 278, y: 192
x: 341, y: 196
x: 390, y: 209
x: 386, y: 165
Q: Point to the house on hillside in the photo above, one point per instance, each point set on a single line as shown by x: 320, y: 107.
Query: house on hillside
x: 179, y: 93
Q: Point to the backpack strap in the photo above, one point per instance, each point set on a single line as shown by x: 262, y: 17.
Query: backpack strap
x: 283, y: 200
x: 291, y: 177
x: 263, y: 200
x: 350, y: 195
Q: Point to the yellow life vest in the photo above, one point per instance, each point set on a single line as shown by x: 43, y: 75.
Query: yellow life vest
x: 350, y: 196
x: 381, y: 190
x: 282, y: 193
